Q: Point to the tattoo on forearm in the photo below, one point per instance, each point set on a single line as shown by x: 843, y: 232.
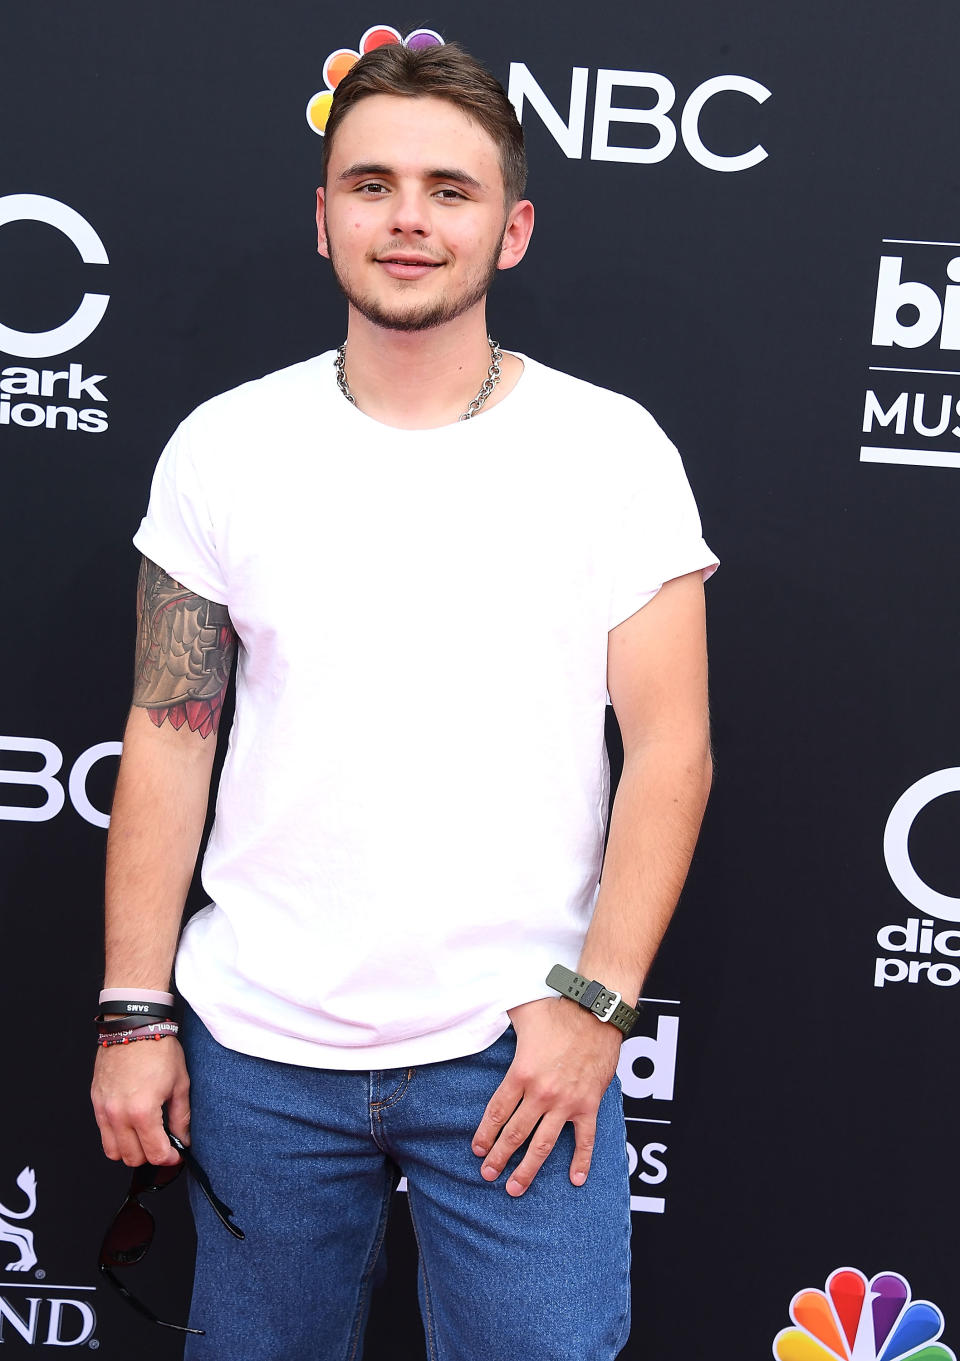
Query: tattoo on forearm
x: 185, y: 649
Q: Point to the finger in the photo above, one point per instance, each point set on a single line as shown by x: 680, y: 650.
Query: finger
x: 541, y: 1145
x: 107, y: 1137
x: 178, y: 1113
x: 148, y: 1126
x: 517, y: 1129
x: 585, y: 1129
x: 500, y: 1107
x: 126, y: 1141
x: 120, y: 1141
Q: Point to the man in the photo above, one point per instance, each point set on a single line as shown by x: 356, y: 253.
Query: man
x: 430, y: 612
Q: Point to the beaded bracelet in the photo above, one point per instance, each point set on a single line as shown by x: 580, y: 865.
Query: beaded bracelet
x: 132, y: 1038
x: 146, y: 1032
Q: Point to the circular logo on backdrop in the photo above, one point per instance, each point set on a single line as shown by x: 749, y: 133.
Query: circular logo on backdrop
x: 896, y: 838
x: 341, y: 59
x: 88, y: 316
x: 854, y: 1319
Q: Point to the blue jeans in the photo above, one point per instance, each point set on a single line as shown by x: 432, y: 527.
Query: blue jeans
x: 308, y: 1158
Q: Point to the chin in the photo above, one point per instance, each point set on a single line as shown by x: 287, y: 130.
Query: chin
x: 414, y: 314
x: 422, y: 317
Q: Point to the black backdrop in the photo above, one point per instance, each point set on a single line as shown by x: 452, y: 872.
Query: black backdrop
x: 789, y: 1116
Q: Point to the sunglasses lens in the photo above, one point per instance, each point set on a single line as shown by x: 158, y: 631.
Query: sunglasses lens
x: 128, y: 1237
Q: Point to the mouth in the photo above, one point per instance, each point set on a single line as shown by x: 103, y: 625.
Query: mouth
x: 400, y: 266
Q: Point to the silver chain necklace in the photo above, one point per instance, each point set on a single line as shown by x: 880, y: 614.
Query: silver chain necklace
x: 489, y: 383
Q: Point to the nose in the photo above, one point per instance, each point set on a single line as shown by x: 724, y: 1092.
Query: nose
x: 410, y: 215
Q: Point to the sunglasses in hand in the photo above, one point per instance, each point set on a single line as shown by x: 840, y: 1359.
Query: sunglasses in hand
x: 131, y: 1233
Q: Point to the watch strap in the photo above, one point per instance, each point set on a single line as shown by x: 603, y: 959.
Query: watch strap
x: 605, y: 1003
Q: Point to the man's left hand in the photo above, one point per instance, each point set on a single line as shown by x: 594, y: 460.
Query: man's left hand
x: 565, y: 1061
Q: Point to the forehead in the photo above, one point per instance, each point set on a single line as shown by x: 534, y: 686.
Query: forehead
x: 414, y: 136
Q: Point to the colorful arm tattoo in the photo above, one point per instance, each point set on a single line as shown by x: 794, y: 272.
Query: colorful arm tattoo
x: 185, y: 649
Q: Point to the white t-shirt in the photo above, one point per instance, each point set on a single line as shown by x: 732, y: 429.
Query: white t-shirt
x: 411, y: 816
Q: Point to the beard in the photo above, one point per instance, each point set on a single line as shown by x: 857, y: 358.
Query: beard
x: 412, y: 317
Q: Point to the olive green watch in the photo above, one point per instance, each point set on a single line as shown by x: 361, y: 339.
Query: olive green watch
x: 605, y: 1004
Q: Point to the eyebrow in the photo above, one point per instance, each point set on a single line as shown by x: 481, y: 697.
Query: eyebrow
x: 458, y: 176
x: 361, y: 168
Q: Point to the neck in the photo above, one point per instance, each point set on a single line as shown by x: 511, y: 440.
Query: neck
x: 417, y: 380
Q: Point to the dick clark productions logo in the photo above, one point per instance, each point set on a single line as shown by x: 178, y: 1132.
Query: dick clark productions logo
x: 854, y: 1319
x: 64, y: 388
x: 911, y: 948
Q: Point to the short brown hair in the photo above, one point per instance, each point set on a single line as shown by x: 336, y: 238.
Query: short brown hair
x: 445, y: 72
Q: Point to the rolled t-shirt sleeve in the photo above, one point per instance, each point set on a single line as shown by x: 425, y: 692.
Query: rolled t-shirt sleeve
x: 656, y: 530
x: 177, y: 532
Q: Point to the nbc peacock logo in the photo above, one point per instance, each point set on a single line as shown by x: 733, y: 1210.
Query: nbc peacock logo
x: 854, y: 1319
x: 339, y: 62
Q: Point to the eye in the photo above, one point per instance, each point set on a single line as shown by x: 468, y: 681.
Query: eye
x: 450, y: 194
x: 373, y: 187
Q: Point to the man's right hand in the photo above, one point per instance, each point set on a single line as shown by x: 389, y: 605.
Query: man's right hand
x: 185, y: 650
x: 131, y: 1085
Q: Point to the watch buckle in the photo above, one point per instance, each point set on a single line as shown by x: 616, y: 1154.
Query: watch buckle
x: 611, y: 1005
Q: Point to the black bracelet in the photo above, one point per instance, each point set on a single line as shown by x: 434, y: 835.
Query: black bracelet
x: 133, y: 1010
x: 112, y: 1027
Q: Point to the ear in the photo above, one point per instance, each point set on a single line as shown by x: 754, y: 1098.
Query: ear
x: 516, y: 235
x: 322, y: 247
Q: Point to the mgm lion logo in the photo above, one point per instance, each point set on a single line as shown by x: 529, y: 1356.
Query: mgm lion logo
x: 22, y: 1239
